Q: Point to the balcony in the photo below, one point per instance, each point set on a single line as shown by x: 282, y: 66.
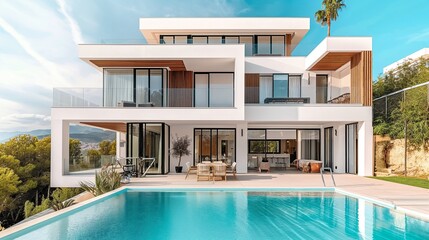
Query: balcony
x: 215, y: 97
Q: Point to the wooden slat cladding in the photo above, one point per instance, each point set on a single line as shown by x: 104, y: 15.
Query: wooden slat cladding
x: 115, y: 126
x: 252, y: 88
x: 180, y: 89
x: 288, y: 44
x: 361, y: 78
x: 333, y: 61
x: 174, y: 65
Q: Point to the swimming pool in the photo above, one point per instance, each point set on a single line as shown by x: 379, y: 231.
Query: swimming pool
x: 228, y: 214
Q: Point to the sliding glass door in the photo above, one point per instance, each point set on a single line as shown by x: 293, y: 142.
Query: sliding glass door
x: 328, y: 147
x: 214, y: 145
x: 149, y: 140
x: 321, y: 88
x: 351, y: 148
x: 137, y: 86
x: 309, y: 143
x: 214, y: 90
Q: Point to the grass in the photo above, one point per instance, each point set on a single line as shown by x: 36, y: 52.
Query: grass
x: 416, y: 182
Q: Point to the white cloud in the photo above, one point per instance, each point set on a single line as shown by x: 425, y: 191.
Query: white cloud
x: 38, y: 48
x: 21, y: 40
x: 75, y: 30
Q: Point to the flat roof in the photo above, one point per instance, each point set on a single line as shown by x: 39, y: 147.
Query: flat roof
x: 152, y: 28
x: 334, y: 52
x: 424, y: 52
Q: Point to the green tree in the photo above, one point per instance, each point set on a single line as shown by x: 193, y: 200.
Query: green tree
x: 8, y: 187
x: 329, y: 12
x: 29, y: 160
x: 107, y: 147
x: 75, y: 151
x: 94, y: 157
x: 30, y: 209
x: 407, y: 74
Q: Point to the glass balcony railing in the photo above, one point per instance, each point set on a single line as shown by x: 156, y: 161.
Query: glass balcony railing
x: 251, y: 49
x: 263, y: 95
x: 213, y: 97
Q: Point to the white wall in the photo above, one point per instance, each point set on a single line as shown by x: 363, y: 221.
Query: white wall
x: 339, y: 82
x: 275, y: 65
x: 308, y: 113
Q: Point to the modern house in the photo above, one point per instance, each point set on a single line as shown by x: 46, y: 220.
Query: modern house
x: 231, y: 85
x: 422, y: 53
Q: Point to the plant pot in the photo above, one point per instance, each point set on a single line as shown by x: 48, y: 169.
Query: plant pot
x: 179, y: 169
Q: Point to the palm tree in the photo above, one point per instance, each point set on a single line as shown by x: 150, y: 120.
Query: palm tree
x: 329, y: 13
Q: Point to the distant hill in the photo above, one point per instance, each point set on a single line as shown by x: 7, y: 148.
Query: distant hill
x: 84, y: 134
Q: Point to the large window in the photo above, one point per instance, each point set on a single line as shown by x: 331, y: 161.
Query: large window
x: 309, y: 141
x: 214, y: 144
x: 321, y: 88
x: 279, y: 86
x: 214, y: 90
x: 138, y: 86
x: 118, y: 86
x: 254, y: 45
x: 270, y: 45
x: 148, y: 140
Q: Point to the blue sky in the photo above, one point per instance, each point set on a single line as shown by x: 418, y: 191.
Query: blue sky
x: 38, y: 39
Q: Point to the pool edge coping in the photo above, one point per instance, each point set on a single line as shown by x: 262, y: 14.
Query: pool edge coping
x: 383, y: 203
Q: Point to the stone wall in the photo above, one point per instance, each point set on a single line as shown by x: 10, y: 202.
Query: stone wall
x: 389, y: 158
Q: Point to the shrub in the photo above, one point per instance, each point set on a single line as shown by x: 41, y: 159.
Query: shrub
x: 58, y: 205
x: 30, y: 209
x: 105, y: 181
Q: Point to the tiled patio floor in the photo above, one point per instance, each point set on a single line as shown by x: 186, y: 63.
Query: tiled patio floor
x: 404, y: 197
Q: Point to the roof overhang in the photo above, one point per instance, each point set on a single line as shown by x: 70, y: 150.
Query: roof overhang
x: 173, y: 65
x: 334, y: 52
x: 152, y: 28
x: 114, y: 126
x: 172, y: 57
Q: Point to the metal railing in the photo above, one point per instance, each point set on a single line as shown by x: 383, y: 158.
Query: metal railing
x: 332, y: 175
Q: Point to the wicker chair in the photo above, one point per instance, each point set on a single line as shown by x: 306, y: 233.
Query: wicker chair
x: 219, y: 170
x: 233, y: 169
x: 191, y: 169
x: 203, y: 171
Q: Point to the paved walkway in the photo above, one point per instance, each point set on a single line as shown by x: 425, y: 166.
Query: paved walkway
x: 413, y: 200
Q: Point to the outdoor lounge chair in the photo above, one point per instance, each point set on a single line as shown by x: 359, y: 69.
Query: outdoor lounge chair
x: 203, y: 171
x: 219, y: 170
x: 233, y: 169
x: 191, y: 169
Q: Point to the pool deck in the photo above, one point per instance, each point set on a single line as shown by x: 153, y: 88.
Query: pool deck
x: 408, y: 199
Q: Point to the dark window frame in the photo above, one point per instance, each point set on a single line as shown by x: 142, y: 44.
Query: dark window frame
x: 211, y: 145
x: 296, y: 135
x: 271, y: 44
x: 142, y: 141
x: 208, y: 86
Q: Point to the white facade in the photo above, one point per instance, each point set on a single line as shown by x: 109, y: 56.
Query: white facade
x: 424, y: 52
x: 241, y: 115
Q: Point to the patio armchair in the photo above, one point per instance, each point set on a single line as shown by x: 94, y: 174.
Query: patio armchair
x: 219, y: 170
x: 191, y: 169
x: 232, y: 169
x: 203, y: 171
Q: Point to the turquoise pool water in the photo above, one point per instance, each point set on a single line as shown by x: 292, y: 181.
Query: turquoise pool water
x: 229, y: 215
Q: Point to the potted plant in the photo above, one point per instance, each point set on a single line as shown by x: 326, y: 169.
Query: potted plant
x: 180, y: 148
